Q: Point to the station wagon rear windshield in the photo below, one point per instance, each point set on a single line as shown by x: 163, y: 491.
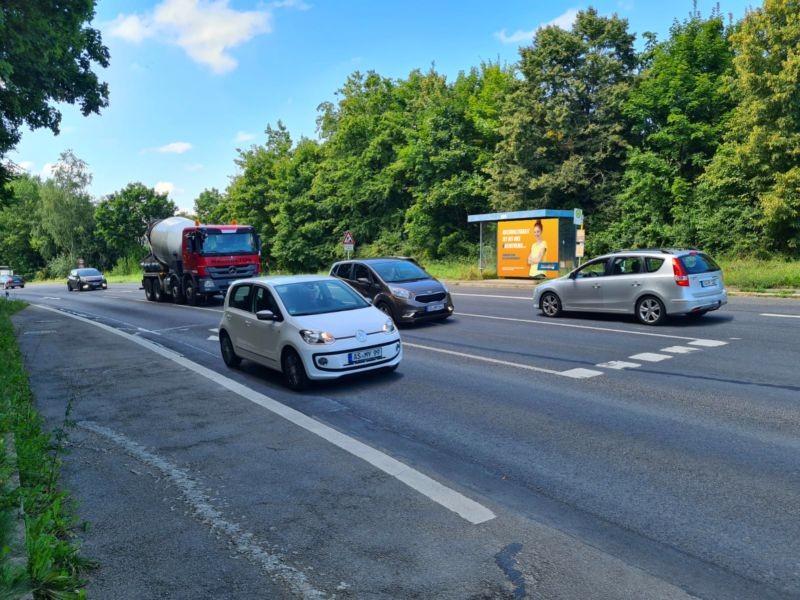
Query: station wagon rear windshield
x: 697, y: 262
x: 398, y: 271
x: 318, y: 297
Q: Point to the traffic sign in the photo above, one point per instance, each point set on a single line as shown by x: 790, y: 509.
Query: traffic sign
x: 349, y: 241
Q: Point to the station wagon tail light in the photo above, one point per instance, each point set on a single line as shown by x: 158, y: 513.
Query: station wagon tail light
x: 311, y: 336
x: 681, y: 278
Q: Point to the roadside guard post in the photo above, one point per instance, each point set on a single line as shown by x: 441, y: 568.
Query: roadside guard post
x: 348, y: 243
x: 534, y: 244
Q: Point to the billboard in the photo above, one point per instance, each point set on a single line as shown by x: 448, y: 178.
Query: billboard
x: 527, y: 248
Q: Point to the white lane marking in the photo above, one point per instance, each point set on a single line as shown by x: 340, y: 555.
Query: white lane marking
x: 50, y: 298
x: 708, y: 343
x: 492, y: 296
x: 780, y: 316
x: 447, y: 497
x: 618, y: 365
x: 680, y: 349
x: 555, y: 324
x: 496, y: 361
x: 245, y: 542
x: 214, y: 329
x: 580, y: 373
x: 180, y: 305
x: 213, y: 338
x: 650, y: 357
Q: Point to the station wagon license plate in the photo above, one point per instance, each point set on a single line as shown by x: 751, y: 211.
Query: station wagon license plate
x: 434, y: 307
x: 708, y: 282
x: 363, y: 356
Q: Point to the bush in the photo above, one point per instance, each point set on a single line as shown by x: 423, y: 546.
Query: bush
x: 60, y: 266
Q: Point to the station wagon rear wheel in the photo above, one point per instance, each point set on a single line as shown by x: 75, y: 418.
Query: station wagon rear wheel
x: 551, y: 304
x: 650, y: 311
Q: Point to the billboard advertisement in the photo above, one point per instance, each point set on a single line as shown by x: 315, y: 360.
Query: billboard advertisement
x: 527, y: 248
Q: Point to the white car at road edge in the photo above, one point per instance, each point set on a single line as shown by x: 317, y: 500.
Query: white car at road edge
x: 306, y: 326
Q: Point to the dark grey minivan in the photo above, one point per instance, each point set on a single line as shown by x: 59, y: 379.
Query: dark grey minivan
x: 397, y: 286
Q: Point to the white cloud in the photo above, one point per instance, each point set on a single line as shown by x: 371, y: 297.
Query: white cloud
x: 564, y: 21
x: 175, y: 148
x: 47, y: 170
x: 164, y: 187
x: 296, y: 4
x: 205, y: 29
x: 131, y: 28
x: 244, y: 136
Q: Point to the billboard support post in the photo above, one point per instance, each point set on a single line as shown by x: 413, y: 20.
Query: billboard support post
x: 480, y: 247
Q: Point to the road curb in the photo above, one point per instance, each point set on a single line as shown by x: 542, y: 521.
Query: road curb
x: 18, y: 556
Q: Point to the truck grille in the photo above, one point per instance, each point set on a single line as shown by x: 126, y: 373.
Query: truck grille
x: 234, y: 272
x: 430, y: 297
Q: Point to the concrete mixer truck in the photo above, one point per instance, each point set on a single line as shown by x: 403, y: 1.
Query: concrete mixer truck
x: 189, y: 262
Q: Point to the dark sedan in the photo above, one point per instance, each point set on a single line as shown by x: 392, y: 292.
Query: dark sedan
x: 12, y: 281
x: 86, y: 279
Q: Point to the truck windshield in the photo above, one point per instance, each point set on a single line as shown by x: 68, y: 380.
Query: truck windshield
x: 229, y: 243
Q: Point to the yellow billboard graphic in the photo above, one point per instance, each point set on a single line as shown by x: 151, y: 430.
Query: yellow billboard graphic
x: 527, y: 248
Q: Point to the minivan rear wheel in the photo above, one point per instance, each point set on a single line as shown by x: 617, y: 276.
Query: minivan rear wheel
x: 650, y: 311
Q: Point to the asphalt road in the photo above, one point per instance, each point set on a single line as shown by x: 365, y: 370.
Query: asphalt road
x: 620, y: 460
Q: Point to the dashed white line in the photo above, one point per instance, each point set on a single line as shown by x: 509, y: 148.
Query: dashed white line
x: 780, y: 316
x: 574, y: 373
x: 708, y: 343
x: 650, y: 357
x: 449, y: 498
x: 680, y: 350
x: 618, y: 365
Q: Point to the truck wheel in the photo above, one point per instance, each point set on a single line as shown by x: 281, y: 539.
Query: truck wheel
x: 177, y: 291
x: 190, y: 292
x: 228, y: 353
x: 293, y: 371
x: 148, y: 290
x: 158, y: 292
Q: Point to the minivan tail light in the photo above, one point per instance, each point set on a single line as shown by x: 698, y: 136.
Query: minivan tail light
x: 681, y: 278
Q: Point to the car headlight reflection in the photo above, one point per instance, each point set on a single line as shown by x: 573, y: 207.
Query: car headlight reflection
x: 312, y: 336
x: 388, y: 326
x: 400, y: 292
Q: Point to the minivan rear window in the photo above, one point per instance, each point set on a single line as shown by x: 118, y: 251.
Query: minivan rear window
x: 697, y: 262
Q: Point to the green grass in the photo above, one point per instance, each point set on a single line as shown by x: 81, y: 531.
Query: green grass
x: 761, y: 275
x: 55, y: 567
x: 459, y: 269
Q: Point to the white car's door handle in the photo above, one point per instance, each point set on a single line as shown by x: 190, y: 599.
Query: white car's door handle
x: 596, y: 286
x: 636, y: 284
x: 247, y: 323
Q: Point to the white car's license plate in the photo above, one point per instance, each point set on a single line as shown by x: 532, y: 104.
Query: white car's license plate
x: 363, y: 356
x: 708, y: 282
x: 434, y: 307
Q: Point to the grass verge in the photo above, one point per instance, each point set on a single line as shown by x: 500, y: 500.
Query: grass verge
x: 55, y: 567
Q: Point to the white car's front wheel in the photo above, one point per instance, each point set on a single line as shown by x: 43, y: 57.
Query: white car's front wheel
x: 293, y: 371
x: 551, y: 304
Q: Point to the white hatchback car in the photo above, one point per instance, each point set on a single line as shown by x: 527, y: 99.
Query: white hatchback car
x: 306, y: 326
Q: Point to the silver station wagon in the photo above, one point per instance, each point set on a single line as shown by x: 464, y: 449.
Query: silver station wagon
x: 651, y: 284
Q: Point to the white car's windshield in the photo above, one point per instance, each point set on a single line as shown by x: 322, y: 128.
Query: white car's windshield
x: 318, y: 297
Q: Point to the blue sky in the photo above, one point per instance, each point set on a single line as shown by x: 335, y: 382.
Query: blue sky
x: 193, y: 80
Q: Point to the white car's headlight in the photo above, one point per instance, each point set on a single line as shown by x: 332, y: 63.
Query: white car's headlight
x: 388, y: 326
x: 311, y: 336
x: 400, y: 292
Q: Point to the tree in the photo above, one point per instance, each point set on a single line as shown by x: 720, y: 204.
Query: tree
x: 565, y: 135
x: 122, y: 217
x: 678, y: 108
x: 46, y: 56
x: 66, y: 211
x: 17, y: 222
x: 208, y: 204
x: 751, y: 190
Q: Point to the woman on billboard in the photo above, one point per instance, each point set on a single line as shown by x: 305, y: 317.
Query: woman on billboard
x: 538, y: 251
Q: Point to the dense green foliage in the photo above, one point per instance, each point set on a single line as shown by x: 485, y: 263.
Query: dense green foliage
x: 46, y: 56
x: 689, y: 141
